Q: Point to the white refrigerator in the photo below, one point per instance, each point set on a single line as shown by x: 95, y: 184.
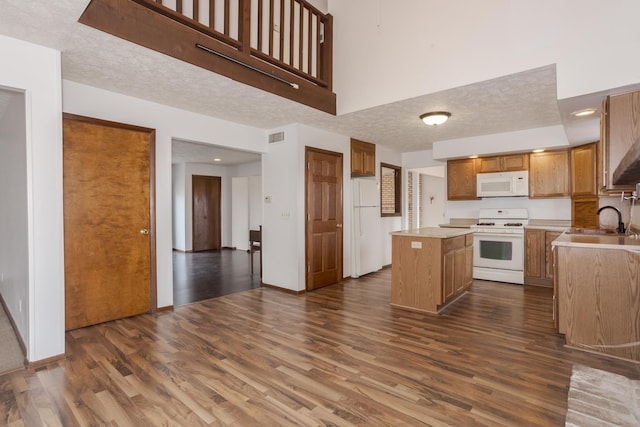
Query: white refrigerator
x: 366, y: 239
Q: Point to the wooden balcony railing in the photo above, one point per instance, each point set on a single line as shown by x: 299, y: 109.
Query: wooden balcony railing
x: 291, y: 34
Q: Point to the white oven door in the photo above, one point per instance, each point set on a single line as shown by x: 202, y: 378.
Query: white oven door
x: 498, y: 250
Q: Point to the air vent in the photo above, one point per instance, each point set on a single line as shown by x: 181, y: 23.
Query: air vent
x: 276, y: 137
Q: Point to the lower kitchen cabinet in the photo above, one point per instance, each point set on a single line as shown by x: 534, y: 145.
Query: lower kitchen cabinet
x: 538, y: 259
x: 427, y: 273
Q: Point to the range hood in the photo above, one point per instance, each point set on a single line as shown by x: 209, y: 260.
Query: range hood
x: 628, y: 171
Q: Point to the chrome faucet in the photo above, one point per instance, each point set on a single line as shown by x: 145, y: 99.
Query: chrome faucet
x: 620, y: 228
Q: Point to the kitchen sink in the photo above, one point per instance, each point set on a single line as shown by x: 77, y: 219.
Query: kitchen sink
x: 592, y: 231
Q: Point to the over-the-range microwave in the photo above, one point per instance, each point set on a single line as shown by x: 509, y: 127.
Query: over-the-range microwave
x: 502, y: 184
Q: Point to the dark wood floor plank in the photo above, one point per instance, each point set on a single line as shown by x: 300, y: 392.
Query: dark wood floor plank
x: 338, y: 356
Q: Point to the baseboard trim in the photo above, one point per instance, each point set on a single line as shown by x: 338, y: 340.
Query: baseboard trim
x: 181, y: 251
x: 15, y: 328
x: 43, y: 362
x: 230, y: 248
x: 281, y: 289
x: 165, y: 308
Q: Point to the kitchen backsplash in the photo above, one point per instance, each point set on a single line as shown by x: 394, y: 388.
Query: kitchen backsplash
x: 559, y: 208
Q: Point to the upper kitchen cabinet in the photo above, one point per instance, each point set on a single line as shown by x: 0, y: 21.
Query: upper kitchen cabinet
x: 620, y: 129
x: 583, y: 170
x: 549, y: 174
x: 512, y: 162
x: 461, y: 179
x: 363, y: 158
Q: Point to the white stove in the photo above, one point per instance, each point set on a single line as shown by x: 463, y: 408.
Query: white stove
x: 498, y: 245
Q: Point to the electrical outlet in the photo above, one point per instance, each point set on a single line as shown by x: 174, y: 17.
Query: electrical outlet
x: 416, y: 245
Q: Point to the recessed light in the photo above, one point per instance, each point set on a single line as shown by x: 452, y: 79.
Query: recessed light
x: 217, y: 160
x: 475, y: 156
x: 583, y: 113
x: 538, y: 150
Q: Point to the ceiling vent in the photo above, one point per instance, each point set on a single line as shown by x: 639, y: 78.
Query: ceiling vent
x: 276, y: 137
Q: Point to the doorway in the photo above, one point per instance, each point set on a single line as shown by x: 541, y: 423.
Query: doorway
x: 324, y: 229
x: 426, y: 196
x: 109, y: 234
x: 206, y: 197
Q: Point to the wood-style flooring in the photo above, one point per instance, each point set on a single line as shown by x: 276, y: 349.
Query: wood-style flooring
x: 337, y: 356
x: 199, y: 276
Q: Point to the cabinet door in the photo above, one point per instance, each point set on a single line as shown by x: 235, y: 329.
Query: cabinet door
x: 515, y: 162
x: 534, y: 241
x: 550, y: 236
x: 489, y: 164
x: 468, y: 268
x: 363, y: 158
x: 449, y: 269
x: 621, y: 129
x: 583, y: 170
x: 461, y: 179
x: 369, y: 163
x: 357, y: 162
x: 460, y: 262
x: 549, y: 174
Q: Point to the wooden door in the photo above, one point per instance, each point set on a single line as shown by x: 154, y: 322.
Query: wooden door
x: 109, y: 231
x: 206, y: 194
x: 324, y: 218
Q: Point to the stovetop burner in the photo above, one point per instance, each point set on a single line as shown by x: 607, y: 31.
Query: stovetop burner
x: 513, y: 224
x: 486, y: 223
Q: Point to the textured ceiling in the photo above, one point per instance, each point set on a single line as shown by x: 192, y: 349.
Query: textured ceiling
x: 520, y: 101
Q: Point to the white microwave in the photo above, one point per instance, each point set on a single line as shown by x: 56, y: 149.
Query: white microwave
x: 502, y: 184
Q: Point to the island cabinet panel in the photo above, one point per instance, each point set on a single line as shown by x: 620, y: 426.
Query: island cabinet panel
x: 413, y: 270
x: 598, y: 293
x: 430, y: 272
x: 538, y: 259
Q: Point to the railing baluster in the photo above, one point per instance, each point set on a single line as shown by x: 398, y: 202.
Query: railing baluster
x: 196, y: 10
x: 281, y: 25
x: 292, y: 27
x: 212, y: 14
x: 301, y: 39
x: 227, y: 12
x: 179, y: 6
x: 244, y: 22
x: 309, y: 43
x: 270, y: 27
x: 318, y: 45
x: 260, y: 24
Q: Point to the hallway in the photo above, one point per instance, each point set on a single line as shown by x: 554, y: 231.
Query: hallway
x: 199, y: 276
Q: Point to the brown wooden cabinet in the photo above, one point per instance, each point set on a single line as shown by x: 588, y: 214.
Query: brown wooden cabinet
x: 430, y: 272
x: 461, y: 179
x: 549, y: 174
x: 363, y: 158
x: 583, y: 170
x: 584, y: 186
x: 512, y: 162
x: 538, y: 259
x: 619, y: 130
x: 598, y: 302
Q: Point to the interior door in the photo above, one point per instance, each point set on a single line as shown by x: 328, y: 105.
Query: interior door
x: 324, y: 218
x: 109, y: 233
x: 206, y: 194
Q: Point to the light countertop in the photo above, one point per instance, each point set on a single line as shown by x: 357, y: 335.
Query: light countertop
x: 433, y: 232
x: 558, y: 225
x: 606, y: 241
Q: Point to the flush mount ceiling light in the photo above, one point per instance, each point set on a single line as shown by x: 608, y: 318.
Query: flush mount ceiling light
x: 435, y: 118
x: 585, y: 112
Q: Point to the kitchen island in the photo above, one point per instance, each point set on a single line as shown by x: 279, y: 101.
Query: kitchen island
x: 430, y: 267
x: 597, y: 293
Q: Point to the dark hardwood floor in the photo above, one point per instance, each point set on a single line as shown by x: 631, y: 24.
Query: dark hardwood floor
x: 202, y: 275
x: 339, y: 356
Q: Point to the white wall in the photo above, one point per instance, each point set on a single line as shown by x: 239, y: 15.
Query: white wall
x: 433, y: 198
x: 240, y: 212
x: 524, y: 140
x: 465, y: 41
x: 36, y: 70
x: 14, y: 227
x: 178, y: 201
x: 169, y: 123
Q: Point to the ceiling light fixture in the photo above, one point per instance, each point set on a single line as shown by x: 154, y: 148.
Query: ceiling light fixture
x: 538, y: 150
x: 435, y: 118
x: 583, y: 113
x: 217, y: 160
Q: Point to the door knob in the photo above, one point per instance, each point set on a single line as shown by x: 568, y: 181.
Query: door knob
x: 144, y: 231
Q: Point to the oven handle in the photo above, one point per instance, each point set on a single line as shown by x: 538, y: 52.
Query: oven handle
x: 517, y: 235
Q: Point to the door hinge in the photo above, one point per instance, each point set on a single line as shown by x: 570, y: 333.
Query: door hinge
x: 309, y: 268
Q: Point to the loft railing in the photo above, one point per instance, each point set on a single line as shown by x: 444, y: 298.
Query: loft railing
x: 290, y: 34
